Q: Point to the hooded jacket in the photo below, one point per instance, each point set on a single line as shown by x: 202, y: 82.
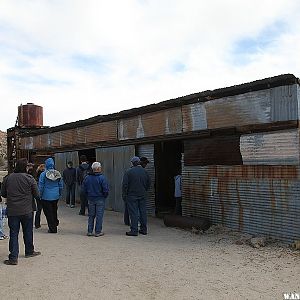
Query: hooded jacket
x: 50, y: 182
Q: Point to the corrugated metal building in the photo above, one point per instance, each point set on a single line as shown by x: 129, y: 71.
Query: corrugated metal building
x: 238, y: 148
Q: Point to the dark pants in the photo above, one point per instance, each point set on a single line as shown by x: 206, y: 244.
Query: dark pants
x: 178, y: 208
x: 83, y: 201
x: 137, y: 212
x: 70, y: 194
x: 96, y: 211
x: 37, y: 219
x: 50, y: 211
x: 14, y: 227
x: 126, y: 215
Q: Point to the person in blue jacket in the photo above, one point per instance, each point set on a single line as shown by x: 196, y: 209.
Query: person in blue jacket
x: 50, y: 187
x: 96, y: 188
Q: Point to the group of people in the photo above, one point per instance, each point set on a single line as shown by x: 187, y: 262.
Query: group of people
x: 26, y: 191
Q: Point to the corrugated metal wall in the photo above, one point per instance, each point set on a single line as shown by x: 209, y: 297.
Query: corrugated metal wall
x: 61, y: 160
x: 147, y: 150
x: 271, y: 148
x: 163, y: 122
x: 115, y: 161
x: 245, y: 198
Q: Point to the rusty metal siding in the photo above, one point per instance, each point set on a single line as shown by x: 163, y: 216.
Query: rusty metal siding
x: 115, y: 161
x: 239, y: 110
x: 68, y: 137
x: 268, y: 204
x: 271, y: 148
x: 100, y: 132
x: 55, y: 139
x: 284, y: 104
x: 147, y: 150
x: 194, y: 117
x: 159, y: 123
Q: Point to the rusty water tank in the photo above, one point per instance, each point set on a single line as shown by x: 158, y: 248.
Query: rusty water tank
x: 30, y: 115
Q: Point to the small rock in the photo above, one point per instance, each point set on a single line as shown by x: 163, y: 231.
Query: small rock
x: 258, y: 242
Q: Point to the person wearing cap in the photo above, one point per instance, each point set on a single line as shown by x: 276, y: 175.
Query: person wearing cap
x: 143, y: 162
x: 96, y: 188
x: 136, y: 182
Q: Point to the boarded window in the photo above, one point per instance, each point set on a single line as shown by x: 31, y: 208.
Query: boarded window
x: 213, y: 151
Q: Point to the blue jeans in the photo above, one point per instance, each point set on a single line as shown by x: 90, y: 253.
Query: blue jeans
x: 14, y: 228
x: 70, y: 194
x: 137, y: 212
x: 96, y: 210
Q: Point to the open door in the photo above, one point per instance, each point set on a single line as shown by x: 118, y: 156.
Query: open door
x: 115, y: 161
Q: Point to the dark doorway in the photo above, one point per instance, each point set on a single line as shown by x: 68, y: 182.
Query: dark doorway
x: 167, y: 157
x: 89, y: 153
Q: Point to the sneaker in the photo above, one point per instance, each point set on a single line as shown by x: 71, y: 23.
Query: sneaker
x: 67, y: 205
x: 143, y: 232
x: 130, y: 233
x: 1, y: 238
x: 89, y: 234
x: 11, y: 262
x: 72, y: 206
x: 99, y: 234
x: 33, y: 254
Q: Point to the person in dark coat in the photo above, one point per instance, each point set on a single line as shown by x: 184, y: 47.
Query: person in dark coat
x: 136, y: 182
x: 39, y: 207
x: 143, y: 162
x: 19, y: 188
x: 81, y: 172
x: 69, y: 177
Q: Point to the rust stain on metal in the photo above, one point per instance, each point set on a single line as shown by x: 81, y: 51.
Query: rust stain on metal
x: 272, y: 196
x: 241, y: 210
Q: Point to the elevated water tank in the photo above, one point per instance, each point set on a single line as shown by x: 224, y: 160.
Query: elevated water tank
x: 30, y: 116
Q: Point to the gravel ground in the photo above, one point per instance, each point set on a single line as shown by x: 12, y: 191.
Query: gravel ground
x: 166, y: 264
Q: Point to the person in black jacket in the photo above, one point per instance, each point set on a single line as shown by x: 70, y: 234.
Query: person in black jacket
x: 19, y: 188
x: 69, y: 177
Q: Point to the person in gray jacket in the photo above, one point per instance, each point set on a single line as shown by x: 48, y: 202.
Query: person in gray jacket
x: 136, y: 182
x: 19, y: 188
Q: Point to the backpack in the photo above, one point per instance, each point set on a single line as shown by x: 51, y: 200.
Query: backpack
x: 83, y: 173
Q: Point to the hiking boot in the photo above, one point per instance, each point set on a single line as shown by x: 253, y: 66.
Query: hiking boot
x: 33, y: 254
x: 130, y: 233
x: 11, y: 262
x: 99, y: 234
x: 89, y: 234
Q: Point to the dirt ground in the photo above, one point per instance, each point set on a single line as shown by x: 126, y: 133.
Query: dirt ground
x: 167, y: 264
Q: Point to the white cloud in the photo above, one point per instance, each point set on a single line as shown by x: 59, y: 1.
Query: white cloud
x: 82, y: 58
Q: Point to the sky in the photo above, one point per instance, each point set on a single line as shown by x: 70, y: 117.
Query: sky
x: 81, y: 58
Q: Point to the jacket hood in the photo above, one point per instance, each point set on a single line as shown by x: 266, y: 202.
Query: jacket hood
x: 53, y: 174
x: 49, y: 162
x: 85, y: 166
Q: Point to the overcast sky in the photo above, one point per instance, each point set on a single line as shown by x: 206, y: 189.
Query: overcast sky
x: 83, y: 58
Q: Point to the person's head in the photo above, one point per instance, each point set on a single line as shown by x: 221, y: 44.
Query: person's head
x: 70, y: 164
x: 135, y: 161
x: 83, y: 158
x: 96, y: 167
x: 21, y: 165
x: 40, y: 168
x: 30, y: 168
x: 144, y: 161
